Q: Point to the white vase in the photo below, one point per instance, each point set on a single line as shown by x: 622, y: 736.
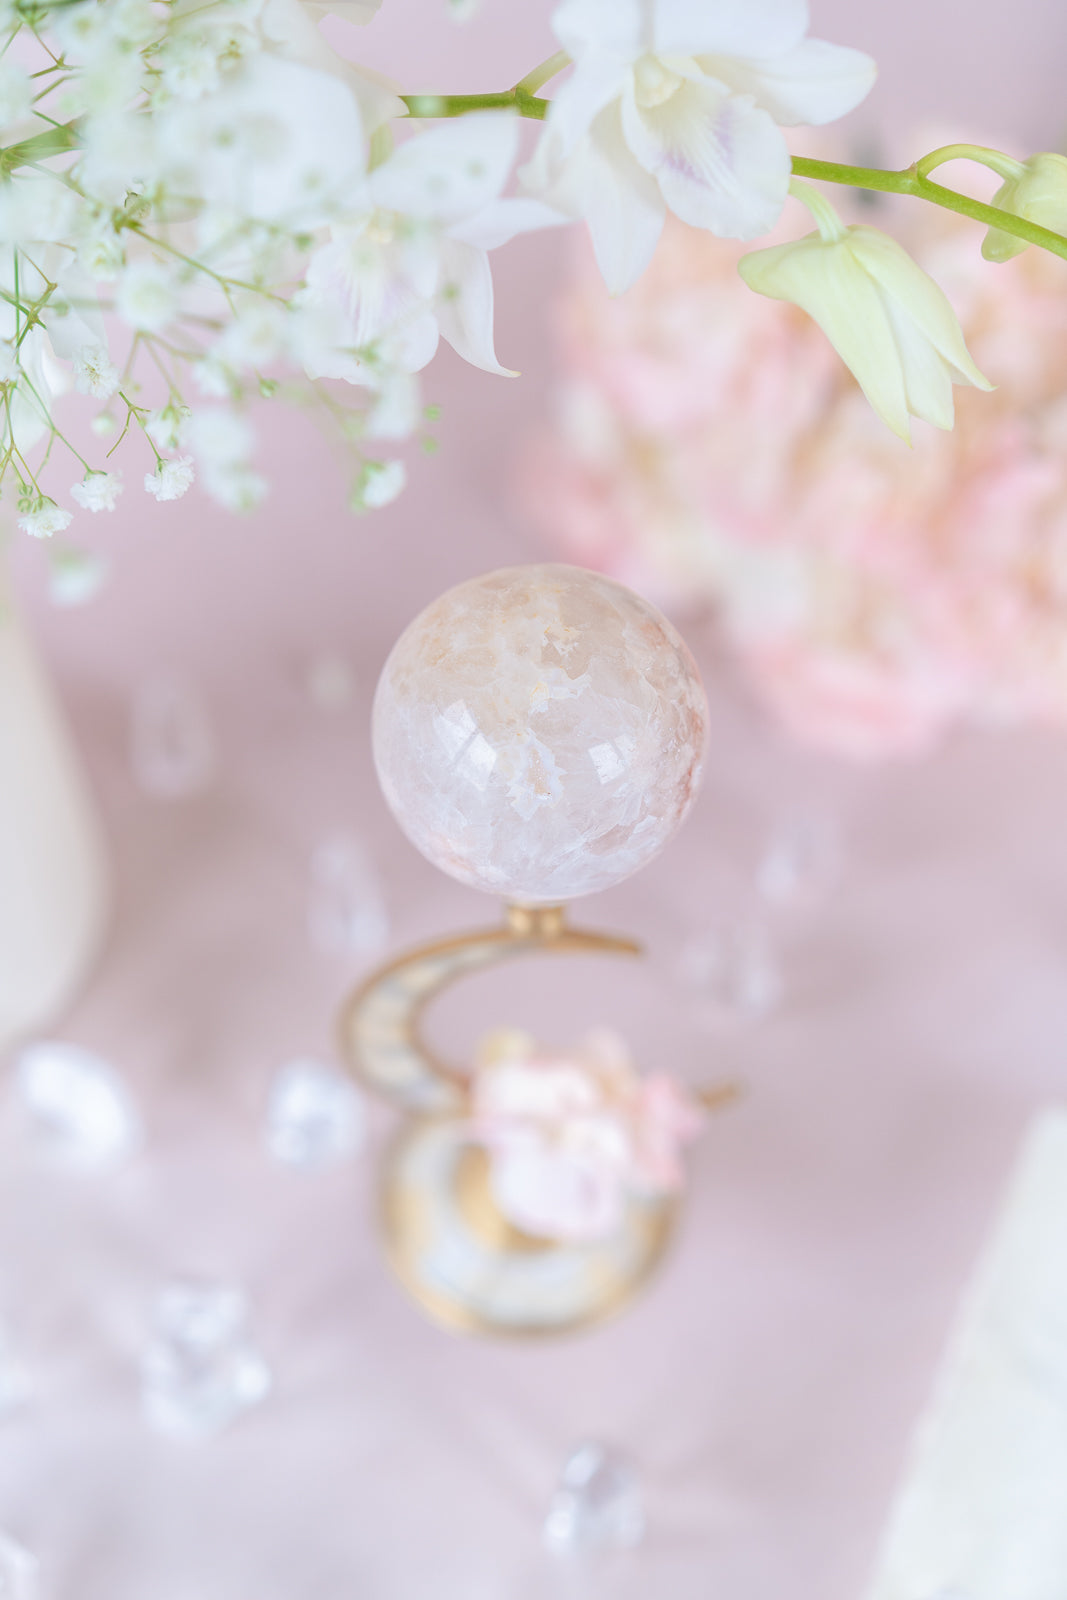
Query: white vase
x: 53, y: 870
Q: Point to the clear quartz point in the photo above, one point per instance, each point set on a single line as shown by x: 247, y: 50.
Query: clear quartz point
x: 172, y: 744
x: 346, y: 903
x: 18, y: 1571
x: 597, y: 1505
x: 801, y: 861
x: 201, y: 1369
x: 315, y: 1115
x: 735, y: 973
x: 75, y: 1105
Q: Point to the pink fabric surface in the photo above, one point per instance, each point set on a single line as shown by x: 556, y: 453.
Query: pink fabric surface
x: 768, y: 1382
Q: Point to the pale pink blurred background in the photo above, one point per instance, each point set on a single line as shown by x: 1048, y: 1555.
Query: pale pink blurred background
x: 768, y: 1383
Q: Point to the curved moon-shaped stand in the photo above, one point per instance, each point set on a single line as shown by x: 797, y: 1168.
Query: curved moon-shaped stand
x: 467, y: 1266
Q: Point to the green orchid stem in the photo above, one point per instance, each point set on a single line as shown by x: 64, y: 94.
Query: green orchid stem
x: 912, y: 182
x: 458, y: 105
x: 52, y: 142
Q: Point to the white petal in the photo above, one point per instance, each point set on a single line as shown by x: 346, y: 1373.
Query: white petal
x: 452, y: 171
x: 721, y: 163
x: 758, y: 28
x: 901, y: 278
x: 815, y: 83
x: 603, y: 27
x: 927, y: 378
x: 831, y: 285
x: 578, y: 100
x: 621, y: 205
x: 465, y: 306
x: 503, y: 220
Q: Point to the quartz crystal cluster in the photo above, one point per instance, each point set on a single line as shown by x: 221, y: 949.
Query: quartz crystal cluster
x: 539, y: 732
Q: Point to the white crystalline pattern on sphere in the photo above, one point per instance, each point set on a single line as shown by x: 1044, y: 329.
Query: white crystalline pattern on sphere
x: 201, y: 1369
x: 314, y: 1116
x: 539, y: 732
x: 18, y: 1571
x: 75, y: 1104
x: 597, y: 1505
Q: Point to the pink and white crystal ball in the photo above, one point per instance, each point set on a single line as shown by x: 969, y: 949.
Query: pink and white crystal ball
x: 539, y: 732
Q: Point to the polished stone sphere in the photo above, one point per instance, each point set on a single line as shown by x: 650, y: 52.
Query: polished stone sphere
x: 539, y: 732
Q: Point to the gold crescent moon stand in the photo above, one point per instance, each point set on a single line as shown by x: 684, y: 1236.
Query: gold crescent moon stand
x: 462, y: 1261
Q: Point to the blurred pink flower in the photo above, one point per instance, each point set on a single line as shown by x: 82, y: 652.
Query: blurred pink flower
x: 710, y: 450
x: 571, y: 1135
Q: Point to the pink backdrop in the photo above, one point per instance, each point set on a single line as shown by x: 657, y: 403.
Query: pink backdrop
x: 768, y: 1383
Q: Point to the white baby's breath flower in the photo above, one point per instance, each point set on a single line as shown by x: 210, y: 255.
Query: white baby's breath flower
x: 255, y: 337
x: 98, y: 491
x: 45, y: 519
x: 220, y: 438
x: 238, y: 488
x: 379, y: 484
x: 94, y: 373
x: 167, y: 428
x: 172, y: 479
x: 74, y: 577
x: 101, y: 255
x: 147, y: 296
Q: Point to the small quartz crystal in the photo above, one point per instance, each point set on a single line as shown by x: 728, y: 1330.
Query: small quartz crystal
x: 74, y: 1105
x: 201, y: 1368
x: 315, y: 1115
x: 172, y: 744
x: 801, y: 861
x: 347, y: 913
x: 734, y: 972
x: 597, y: 1504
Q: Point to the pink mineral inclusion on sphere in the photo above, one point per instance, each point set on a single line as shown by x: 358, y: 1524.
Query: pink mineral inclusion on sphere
x: 539, y: 732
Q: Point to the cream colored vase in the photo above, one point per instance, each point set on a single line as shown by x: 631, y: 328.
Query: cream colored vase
x: 53, y: 870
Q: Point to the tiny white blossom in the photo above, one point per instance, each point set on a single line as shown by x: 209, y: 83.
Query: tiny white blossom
x: 74, y: 577
x: 221, y: 438
x: 238, y: 487
x: 94, y: 374
x: 101, y: 255
x: 167, y: 428
x: 98, y: 491
x: 172, y: 479
x: 46, y: 519
x: 378, y: 485
x: 146, y: 297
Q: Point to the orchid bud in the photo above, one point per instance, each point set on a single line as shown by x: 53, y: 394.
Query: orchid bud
x: 886, y: 318
x: 1038, y: 193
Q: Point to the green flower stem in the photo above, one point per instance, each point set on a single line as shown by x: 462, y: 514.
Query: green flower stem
x: 51, y: 142
x: 1004, y: 166
x: 911, y: 183
x: 830, y: 226
x: 457, y: 105
x: 541, y: 74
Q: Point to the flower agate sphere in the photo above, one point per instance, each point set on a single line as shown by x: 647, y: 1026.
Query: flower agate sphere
x: 539, y: 732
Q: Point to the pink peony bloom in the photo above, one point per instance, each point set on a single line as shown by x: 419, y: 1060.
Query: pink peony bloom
x: 710, y: 450
x: 570, y: 1136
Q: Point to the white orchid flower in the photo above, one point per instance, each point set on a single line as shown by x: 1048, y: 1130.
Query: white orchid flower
x: 679, y: 105
x: 886, y: 318
x: 414, y: 265
x: 1037, y: 191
